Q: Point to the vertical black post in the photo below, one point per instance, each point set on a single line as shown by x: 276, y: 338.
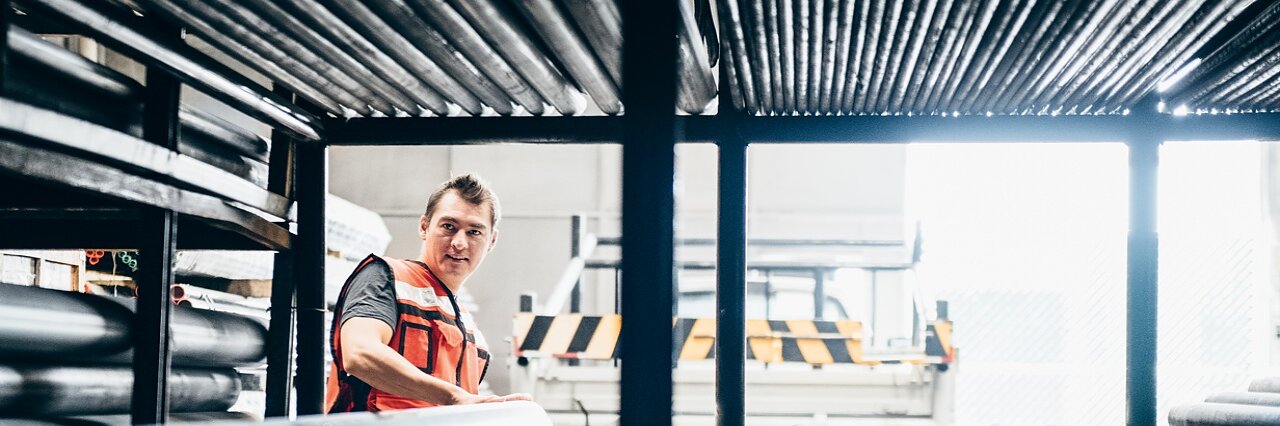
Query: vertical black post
x: 819, y: 293
x: 283, y: 286
x: 1143, y: 252
x: 312, y: 186
x: 151, y: 350
x: 731, y: 278
x: 575, y: 296
x: 648, y: 203
x: 6, y: 18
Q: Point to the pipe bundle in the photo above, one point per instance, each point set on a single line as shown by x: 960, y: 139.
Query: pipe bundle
x: 65, y: 353
x: 1259, y: 406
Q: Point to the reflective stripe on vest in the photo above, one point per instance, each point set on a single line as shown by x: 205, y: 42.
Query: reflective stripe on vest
x: 428, y: 333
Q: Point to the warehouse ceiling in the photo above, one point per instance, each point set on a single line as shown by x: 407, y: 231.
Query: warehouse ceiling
x: 784, y: 57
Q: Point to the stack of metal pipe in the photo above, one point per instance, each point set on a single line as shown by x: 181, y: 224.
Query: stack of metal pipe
x: 53, y: 78
x: 1259, y: 406
x: 1242, y: 75
x: 956, y: 57
x: 69, y: 354
x: 437, y: 57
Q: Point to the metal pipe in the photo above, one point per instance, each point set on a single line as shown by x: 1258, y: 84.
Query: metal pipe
x: 974, y: 37
x: 1010, y: 45
x: 275, y: 16
x: 1143, y: 266
x: 787, y: 47
x: 260, y: 55
x: 958, y: 22
x: 360, y: 48
x: 1118, y: 26
x: 1134, y: 55
x: 1026, y: 46
x: 770, y: 18
x: 804, y: 25
x: 840, y: 60
x: 1228, y: 63
x: 601, y: 23
x: 406, y: 21
x: 937, y: 24
x: 905, y: 28
x: 1246, y: 398
x: 695, y: 85
x: 191, y: 67
x: 465, y: 38
x: 1214, y: 414
x: 1066, y: 46
x: 852, y: 79
x: 870, y: 48
x: 730, y: 73
x: 905, y: 72
x: 1265, y: 384
x: 991, y: 53
x: 760, y: 60
x: 957, y: 61
x: 573, y: 53
x: 39, y: 324
x: 1262, y: 96
x: 731, y: 279
x: 293, y: 56
x: 41, y: 391
x: 495, y: 26
x: 24, y: 45
x: 731, y: 26
x: 1169, y: 25
x: 223, y: 132
x: 1247, y: 40
x: 404, y: 52
x: 888, y: 37
x: 827, y: 31
x: 910, y: 15
x: 1253, y: 71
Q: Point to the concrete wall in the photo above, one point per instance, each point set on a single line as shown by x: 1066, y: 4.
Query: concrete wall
x: 823, y: 191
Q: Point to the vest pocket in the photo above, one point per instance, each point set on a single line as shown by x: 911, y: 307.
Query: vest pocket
x: 418, y: 344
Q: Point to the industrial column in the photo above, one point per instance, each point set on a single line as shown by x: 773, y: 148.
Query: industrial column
x: 731, y: 277
x: 283, y: 286
x: 1143, y: 252
x: 648, y: 202
x: 151, y: 351
x: 308, y: 258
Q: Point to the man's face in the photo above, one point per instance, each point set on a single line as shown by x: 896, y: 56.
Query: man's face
x: 456, y: 238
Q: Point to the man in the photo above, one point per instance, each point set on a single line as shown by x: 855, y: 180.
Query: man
x: 398, y: 334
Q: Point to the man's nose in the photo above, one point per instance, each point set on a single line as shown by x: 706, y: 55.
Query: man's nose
x: 458, y: 242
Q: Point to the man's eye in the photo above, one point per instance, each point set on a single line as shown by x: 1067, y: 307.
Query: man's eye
x: 448, y: 226
x: 475, y: 232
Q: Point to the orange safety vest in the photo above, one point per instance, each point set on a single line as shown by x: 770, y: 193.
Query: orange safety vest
x: 428, y: 333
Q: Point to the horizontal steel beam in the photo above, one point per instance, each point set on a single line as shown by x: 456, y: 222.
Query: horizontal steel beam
x: 844, y: 129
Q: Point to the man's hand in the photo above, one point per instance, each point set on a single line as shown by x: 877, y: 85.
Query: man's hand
x: 467, y: 398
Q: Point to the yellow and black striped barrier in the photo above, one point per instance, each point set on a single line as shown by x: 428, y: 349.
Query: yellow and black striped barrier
x: 576, y: 336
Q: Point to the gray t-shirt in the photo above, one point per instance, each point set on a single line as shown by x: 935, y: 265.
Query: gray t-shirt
x: 371, y: 294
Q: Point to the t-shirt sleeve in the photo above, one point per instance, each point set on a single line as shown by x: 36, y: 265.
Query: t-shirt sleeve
x: 371, y: 295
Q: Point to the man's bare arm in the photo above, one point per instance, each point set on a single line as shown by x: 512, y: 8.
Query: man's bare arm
x: 365, y: 354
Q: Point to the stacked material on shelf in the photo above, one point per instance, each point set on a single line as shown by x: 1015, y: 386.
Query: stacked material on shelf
x: 1259, y: 406
x: 64, y: 354
x: 50, y: 77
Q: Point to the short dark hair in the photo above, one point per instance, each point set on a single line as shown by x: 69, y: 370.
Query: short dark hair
x: 471, y: 188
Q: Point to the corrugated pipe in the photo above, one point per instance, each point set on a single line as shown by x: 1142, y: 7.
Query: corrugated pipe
x: 1214, y: 414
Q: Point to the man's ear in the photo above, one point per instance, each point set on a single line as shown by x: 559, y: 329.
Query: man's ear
x: 422, y: 226
x: 493, y: 241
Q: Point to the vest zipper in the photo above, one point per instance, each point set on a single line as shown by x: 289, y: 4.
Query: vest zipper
x: 457, y: 319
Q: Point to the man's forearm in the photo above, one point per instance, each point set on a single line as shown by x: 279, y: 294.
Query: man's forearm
x: 382, y: 368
